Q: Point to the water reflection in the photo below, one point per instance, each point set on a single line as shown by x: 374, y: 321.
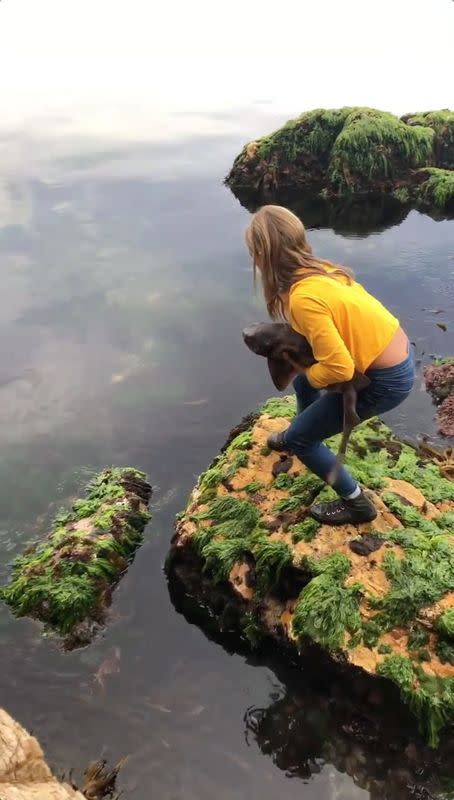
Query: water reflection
x: 361, y: 217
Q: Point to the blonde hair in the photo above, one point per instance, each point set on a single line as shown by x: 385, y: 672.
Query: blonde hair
x: 276, y: 239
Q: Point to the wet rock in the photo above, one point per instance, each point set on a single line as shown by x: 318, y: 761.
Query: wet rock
x: 366, y: 544
x: 284, y: 465
x: 24, y: 774
x: 66, y: 581
x: 319, y: 154
x: 309, y: 591
x: 439, y: 381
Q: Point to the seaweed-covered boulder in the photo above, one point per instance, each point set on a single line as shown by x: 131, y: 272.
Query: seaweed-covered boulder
x: 332, y: 153
x: 378, y: 598
x: 442, y: 123
x: 66, y: 581
x: 439, y: 380
x: 24, y: 774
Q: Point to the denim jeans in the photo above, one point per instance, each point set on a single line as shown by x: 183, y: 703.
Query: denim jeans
x: 321, y: 415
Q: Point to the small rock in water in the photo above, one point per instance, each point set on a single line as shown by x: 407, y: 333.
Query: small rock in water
x: 366, y: 544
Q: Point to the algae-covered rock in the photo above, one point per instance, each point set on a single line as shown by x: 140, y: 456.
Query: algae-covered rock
x: 439, y: 380
x: 375, y: 608
x: 24, y: 774
x: 66, y: 581
x: 348, y: 152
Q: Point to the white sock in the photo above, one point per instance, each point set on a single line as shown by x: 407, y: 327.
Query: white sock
x: 354, y: 494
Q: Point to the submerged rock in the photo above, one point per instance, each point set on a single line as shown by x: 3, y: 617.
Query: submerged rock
x: 439, y: 380
x: 301, y: 584
x: 24, y: 774
x: 353, y: 152
x: 66, y: 581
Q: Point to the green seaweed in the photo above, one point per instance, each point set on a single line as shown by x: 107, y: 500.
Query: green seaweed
x: 251, y: 628
x: 277, y: 407
x: 304, y: 531
x: 239, y: 461
x: 426, y: 477
x: 417, y: 638
x: 418, y: 579
x: 431, y: 699
x: 445, y: 651
x: 384, y: 649
x: 402, y: 194
x: 374, y: 146
x: 312, y: 134
x: 326, y: 611
x: 230, y: 517
x: 409, y: 515
x: 64, y: 579
x: 284, y: 481
x: 253, y: 487
x: 221, y: 555
x: 438, y: 189
x: 372, y: 629
x: 301, y: 491
x: 241, y: 442
x: 445, y: 623
x: 336, y: 565
x: 271, y: 557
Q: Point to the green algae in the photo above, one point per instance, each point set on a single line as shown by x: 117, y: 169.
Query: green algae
x: 442, y: 123
x: 312, y: 134
x: 271, y: 558
x: 251, y: 629
x: 230, y: 517
x: 225, y: 466
x: 221, y: 555
x: 326, y: 611
x: 445, y: 623
x: 277, y: 407
x: 241, y: 442
x: 438, y: 189
x: 422, y: 576
x: 301, y: 491
x: 375, y: 147
x: 340, y: 153
x: 336, y: 565
x: 253, y: 487
x: 65, y: 579
x: 431, y: 699
x: 304, y: 531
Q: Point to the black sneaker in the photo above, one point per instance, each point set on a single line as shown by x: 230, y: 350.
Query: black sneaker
x: 345, y: 512
x: 276, y: 441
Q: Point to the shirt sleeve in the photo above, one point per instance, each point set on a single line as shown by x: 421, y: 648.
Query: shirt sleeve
x: 311, y: 317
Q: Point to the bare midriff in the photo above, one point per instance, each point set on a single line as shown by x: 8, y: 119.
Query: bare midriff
x: 396, y: 351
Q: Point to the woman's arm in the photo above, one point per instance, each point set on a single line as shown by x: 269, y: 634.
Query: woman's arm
x: 311, y: 317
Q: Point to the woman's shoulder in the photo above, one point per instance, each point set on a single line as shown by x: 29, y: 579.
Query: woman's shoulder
x: 318, y: 284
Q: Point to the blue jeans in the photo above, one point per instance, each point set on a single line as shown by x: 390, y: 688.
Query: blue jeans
x: 321, y: 415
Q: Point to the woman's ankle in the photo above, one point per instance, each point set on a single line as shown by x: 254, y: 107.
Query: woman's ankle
x: 352, y: 495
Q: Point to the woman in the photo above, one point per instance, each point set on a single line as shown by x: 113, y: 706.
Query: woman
x: 348, y: 329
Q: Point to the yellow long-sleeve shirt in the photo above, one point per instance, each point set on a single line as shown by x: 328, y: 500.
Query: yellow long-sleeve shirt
x: 346, y: 327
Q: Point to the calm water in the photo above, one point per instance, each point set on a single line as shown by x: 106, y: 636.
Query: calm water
x: 125, y: 285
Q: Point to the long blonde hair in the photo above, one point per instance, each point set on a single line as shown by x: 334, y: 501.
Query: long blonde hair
x: 277, y: 243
